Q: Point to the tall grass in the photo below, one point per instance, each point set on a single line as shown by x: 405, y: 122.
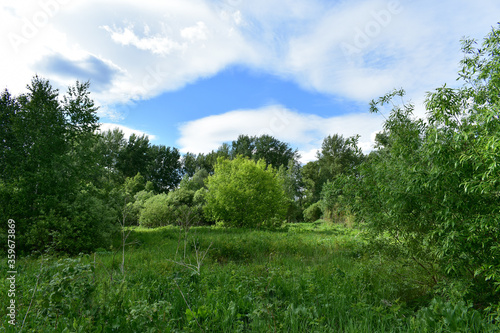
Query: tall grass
x: 315, y: 277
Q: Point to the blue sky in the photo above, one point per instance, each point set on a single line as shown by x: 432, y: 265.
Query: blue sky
x: 196, y: 73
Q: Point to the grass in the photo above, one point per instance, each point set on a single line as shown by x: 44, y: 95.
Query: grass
x: 317, y: 277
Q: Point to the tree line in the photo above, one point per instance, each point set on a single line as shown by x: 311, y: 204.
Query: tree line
x: 68, y: 185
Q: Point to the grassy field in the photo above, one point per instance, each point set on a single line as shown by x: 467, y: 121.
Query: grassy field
x: 315, y: 277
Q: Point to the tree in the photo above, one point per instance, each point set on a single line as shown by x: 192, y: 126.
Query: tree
x: 266, y: 147
x: 110, y: 146
x: 135, y: 156
x: 243, y: 193
x: 293, y: 185
x: 338, y: 155
x: 51, y: 164
x: 196, y: 182
x: 274, y: 152
x: 189, y: 165
x: 164, y: 169
x: 244, y: 146
x: 433, y: 186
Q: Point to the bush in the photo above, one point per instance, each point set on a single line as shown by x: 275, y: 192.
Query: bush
x: 243, y: 193
x: 158, y: 211
x: 313, y: 212
x: 134, y: 208
x: 181, y: 196
x: 85, y: 225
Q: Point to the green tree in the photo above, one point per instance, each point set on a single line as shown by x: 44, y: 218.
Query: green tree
x: 432, y: 186
x: 164, y: 169
x: 110, y: 146
x: 50, y: 165
x: 189, y: 166
x: 338, y: 155
x: 243, y: 193
x: 196, y: 182
x: 135, y: 156
x: 293, y: 185
x: 266, y: 147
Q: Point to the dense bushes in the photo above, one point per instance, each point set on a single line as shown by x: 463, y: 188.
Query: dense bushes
x: 432, y: 186
x: 164, y: 209
x: 313, y: 212
x: 157, y: 212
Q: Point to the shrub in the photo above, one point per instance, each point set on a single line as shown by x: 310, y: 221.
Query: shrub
x: 134, y: 208
x: 313, y: 212
x: 157, y: 212
x: 243, y: 193
x: 86, y: 224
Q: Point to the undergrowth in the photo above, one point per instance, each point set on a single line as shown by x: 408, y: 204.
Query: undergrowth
x: 316, y: 277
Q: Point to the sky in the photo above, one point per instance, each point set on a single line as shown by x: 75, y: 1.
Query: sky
x: 194, y: 74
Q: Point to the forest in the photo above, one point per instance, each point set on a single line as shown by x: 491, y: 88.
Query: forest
x: 116, y: 234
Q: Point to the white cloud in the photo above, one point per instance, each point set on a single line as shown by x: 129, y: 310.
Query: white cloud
x: 357, y: 49
x: 156, y: 44
x: 126, y: 130
x: 196, y: 32
x: 159, y: 46
x: 304, y: 131
x: 353, y: 50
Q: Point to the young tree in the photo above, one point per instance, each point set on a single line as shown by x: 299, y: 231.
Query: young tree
x: 433, y: 187
x: 244, y: 193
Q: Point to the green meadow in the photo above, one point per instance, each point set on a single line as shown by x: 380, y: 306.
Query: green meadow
x: 315, y: 277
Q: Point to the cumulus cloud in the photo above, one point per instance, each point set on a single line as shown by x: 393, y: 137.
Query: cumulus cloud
x: 304, y: 131
x: 352, y: 50
x: 357, y: 49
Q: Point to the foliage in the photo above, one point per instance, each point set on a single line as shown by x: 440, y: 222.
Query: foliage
x: 338, y: 155
x: 135, y: 157
x: 303, y: 280
x: 313, y: 212
x: 243, y: 193
x: 135, y: 207
x: 266, y: 147
x: 433, y: 186
x: 110, y: 146
x: 446, y: 316
x: 291, y: 178
x: 157, y: 211
x: 164, y: 170
x: 195, y: 181
x: 47, y: 142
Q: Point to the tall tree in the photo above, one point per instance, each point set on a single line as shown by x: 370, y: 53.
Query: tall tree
x: 48, y: 143
x: 134, y: 158
x: 189, y: 165
x: 338, y: 155
x: 164, y: 169
x: 110, y: 146
x: 273, y: 151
